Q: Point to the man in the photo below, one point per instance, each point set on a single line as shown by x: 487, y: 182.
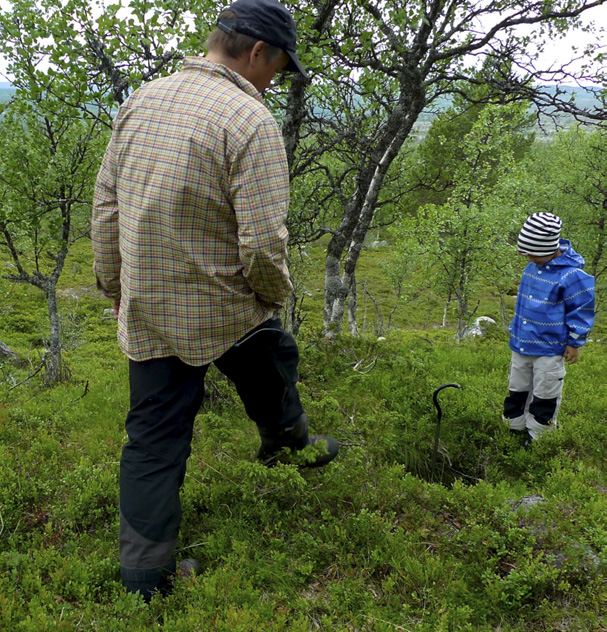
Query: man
x: 190, y: 241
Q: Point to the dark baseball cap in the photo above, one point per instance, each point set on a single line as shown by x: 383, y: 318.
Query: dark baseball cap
x: 268, y: 21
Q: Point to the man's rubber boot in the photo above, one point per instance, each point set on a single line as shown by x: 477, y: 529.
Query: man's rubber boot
x: 188, y: 568
x: 153, y: 581
x: 148, y: 581
x: 294, y: 437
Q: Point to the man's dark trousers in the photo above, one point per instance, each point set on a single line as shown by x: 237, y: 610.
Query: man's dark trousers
x: 166, y: 395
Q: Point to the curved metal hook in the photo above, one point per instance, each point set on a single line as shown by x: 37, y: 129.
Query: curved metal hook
x: 440, y: 414
x: 437, y: 391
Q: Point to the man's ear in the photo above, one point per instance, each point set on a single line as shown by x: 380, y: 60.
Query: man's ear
x: 255, y: 54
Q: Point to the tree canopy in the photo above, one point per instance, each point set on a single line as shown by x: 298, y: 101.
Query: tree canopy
x: 374, y: 67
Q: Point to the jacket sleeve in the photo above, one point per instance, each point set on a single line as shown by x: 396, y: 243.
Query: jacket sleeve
x: 104, y: 228
x: 259, y: 190
x: 578, y: 296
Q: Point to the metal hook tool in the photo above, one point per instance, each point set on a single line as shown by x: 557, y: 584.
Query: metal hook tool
x: 440, y: 414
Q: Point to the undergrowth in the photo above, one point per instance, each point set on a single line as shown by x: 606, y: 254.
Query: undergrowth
x: 391, y: 536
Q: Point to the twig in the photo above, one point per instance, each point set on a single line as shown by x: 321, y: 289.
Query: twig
x: 86, y: 390
x: 210, y: 467
x: 366, y: 369
x: 191, y: 546
x: 31, y: 375
x: 472, y: 478
x: 471, y: 316
x: 380, y: 319
x: 398, y: 627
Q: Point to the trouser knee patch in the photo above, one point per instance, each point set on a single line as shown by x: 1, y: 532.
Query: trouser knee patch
x: 543, y: 409
x: 514, y: 404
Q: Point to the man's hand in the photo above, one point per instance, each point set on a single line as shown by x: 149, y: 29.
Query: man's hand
x: 572, y: 355
x: 117, y: 310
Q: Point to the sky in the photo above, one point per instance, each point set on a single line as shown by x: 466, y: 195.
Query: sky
x: 560, y: 50
x: 555, y: 52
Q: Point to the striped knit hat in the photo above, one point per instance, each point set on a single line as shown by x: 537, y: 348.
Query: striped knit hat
x: 540, y: 235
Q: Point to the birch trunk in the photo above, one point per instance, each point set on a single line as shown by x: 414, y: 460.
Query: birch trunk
x: 352, y: 305
x: 598, y: 257
x: 55, y: 369
x: 359, y: 214
x: 445, y: 309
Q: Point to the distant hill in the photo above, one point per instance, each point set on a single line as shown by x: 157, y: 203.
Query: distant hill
x: 584, y: 98
x: 6, y: 91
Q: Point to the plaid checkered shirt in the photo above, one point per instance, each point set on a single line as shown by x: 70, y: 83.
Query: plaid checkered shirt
x: 189, y: 214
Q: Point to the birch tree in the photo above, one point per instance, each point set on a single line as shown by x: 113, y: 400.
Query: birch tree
x: 89, y: 56
x: 398, y: 60
x: 45, y: 191
x: 569, y: 178
x: 467, y: 238
x: 72, y: 64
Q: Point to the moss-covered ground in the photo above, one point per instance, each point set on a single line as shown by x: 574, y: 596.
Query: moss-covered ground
x: 380, y: 540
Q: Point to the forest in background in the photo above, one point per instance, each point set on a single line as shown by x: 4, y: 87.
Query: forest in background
x: 396, y: 247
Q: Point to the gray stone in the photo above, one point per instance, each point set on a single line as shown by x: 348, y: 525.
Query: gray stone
x: 6, y: 353
x: 480, y: 327
x: 527, y: 502
x: 578, y: 558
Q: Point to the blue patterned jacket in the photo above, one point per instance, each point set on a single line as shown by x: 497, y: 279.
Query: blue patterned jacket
x: 554, y: 306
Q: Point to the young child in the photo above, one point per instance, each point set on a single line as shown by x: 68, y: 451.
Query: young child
x: 553, y: 315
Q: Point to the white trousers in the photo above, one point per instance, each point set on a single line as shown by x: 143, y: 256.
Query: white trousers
x: 536, y: 386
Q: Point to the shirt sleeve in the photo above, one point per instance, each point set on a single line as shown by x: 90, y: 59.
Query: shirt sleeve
x: 259, y: 189
x: 104, y: 228
x: 579, y: 307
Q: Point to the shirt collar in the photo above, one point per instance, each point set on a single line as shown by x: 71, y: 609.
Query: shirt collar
x: 200, y: 64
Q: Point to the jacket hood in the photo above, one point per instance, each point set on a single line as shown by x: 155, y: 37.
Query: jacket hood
x: 570, y: 258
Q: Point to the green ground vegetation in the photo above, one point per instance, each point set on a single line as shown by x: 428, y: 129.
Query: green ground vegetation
x: 377, y: 541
